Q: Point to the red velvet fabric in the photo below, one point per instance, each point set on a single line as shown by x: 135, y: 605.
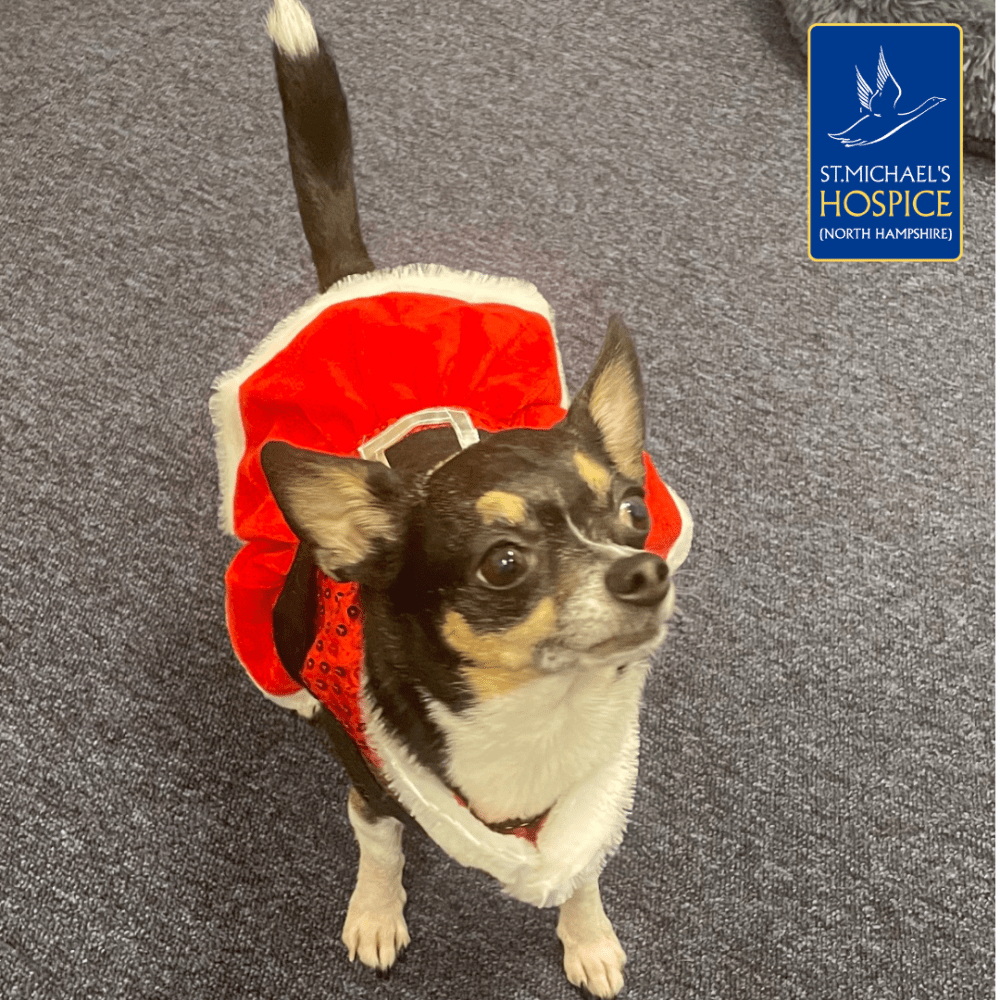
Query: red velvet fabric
x: 357, y: 368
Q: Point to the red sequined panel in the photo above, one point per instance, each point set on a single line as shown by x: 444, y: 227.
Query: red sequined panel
x: 332, y: 670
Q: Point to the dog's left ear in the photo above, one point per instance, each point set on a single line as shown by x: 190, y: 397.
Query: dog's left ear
x: 609, y: 407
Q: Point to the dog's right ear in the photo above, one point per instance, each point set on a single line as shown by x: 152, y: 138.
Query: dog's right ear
x: 609, y: 407
x: 350, y: 512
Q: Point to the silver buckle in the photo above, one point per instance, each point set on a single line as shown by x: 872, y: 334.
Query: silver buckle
x: 459, y: 421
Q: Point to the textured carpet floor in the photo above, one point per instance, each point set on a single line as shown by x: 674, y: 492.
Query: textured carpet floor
x: 814, y: 811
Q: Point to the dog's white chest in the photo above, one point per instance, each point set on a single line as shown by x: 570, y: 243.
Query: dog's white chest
x: 515, y: 755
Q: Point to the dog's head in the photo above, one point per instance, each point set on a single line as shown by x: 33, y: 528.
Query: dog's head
x: 519, y: 556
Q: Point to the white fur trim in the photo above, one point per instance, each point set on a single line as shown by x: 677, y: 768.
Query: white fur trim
x: 291, y: 28
x: 680, y: 549
x: 581, y: 832
x: 301, y: 701
x: 427, y: 279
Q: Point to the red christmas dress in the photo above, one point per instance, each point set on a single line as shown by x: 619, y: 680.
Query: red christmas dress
x: 348, y: 366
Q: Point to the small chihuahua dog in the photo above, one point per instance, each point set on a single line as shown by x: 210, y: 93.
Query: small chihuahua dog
x: 503, y: 597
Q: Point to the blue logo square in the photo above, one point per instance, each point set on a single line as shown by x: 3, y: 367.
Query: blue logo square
x: 885, y: 142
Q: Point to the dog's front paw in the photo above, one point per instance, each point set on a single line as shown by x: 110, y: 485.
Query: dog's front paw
x: 375, y: 930
x: 593, y: 957
x: 596, y: 966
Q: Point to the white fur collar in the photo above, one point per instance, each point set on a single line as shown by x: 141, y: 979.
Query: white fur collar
x: 584, y: 827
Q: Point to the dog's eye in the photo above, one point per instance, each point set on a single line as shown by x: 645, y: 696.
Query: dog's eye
x: 632, y: 513
x: 503, y: 566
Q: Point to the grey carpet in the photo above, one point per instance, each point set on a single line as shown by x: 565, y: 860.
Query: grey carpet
x: 814, y: 812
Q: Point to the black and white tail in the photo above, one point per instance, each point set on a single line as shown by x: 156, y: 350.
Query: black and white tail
x: 319, y: 143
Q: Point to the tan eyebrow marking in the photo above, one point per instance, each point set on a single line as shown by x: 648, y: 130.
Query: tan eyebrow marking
x: 498, y: 662
x: 500, y: 506
x: 593, y: 474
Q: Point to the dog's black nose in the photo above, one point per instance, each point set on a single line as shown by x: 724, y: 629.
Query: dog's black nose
x: 640, y: 579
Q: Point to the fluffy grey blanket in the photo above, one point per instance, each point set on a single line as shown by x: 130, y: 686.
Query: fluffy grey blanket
x: 978, y: 21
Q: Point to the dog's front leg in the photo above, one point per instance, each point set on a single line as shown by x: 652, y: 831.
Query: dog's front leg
x: 592, y: 954
x: 375, y: 930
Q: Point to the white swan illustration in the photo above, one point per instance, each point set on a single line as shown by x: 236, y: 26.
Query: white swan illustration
x: 882, y: 119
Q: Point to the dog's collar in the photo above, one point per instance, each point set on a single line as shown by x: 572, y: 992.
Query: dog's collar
x: 526, y: 829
